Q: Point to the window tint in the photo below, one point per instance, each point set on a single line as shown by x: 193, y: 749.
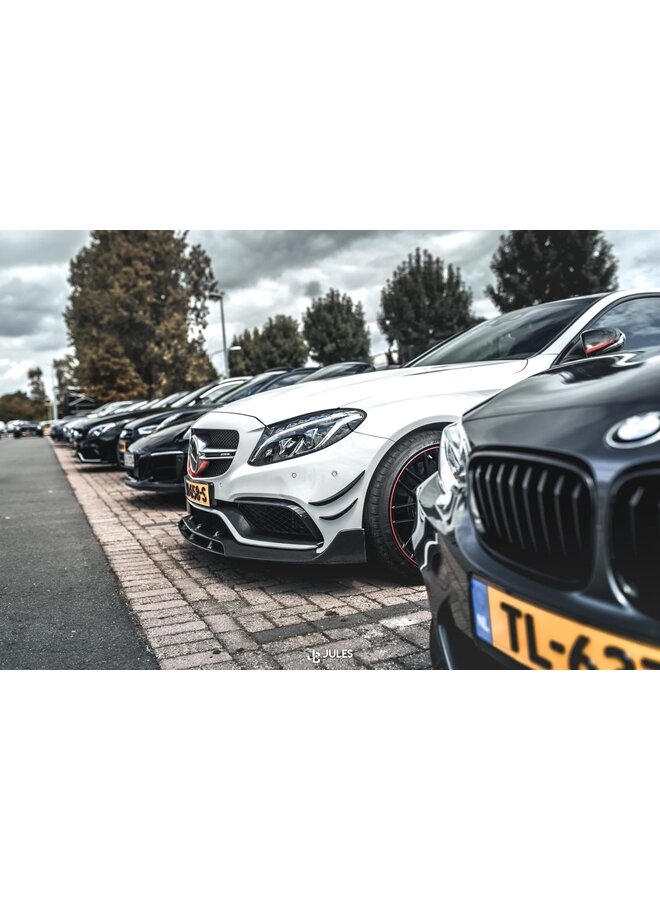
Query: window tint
x: 639, y: 319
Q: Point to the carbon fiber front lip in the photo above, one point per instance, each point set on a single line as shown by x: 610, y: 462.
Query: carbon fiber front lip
x: 348, y: 548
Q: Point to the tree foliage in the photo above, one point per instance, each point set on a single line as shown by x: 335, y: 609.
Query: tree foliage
x: 137, y: 311
x: 424, y: 302
x: 278, y: 343
x: 536, y: 266
x: 66, y: 383
x: 38, y: 395
x: 17, y: 406
x: 335, y: 329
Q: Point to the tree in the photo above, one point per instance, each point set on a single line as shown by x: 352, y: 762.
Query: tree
x: 66, y: 382
x: 249, y: 359
x: 335, y: 329
x: 16, y: 406
x: 137, y: 311
x: 279, y: 343
x: 38, y: 395
x: 536, y: 266
x: 424, y: 302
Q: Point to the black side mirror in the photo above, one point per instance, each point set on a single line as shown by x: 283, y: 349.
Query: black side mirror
x: 602, y: 340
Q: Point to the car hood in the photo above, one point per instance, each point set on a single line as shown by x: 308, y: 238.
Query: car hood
x: 169, y: 438
x: 375, y: 389
x: 620, y: 379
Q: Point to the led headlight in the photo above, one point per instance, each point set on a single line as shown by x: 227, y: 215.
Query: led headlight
x: 145, y: 430
x: 100, y: 429
x: 298, y: 437
x: 452, y: 460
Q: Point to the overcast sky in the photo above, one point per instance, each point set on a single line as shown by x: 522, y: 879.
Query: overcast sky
x: 263, y: 273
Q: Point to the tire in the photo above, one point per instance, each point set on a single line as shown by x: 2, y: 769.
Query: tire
x: 391, y: 504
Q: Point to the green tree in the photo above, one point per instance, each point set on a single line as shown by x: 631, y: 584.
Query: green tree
x: 16, y: 406
x: 66, y: 382
x: 137, y: 311
x: 38, y: 395
x: 249, y: 359
x: 282, y: 343
x: 278, y: 343
x: 536, y: 266
x: 335, y: 329
x: 424, y: 302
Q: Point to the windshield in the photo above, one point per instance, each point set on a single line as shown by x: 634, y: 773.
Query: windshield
x: 291, y: 378
x: 189, y: 398
x: 514, y: 335
x: 254, y: 385
x: 220, y: 391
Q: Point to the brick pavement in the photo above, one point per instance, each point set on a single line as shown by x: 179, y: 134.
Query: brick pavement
x: 198, y: 611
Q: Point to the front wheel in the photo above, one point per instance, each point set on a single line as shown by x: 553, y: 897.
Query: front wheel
x: 391, y: 505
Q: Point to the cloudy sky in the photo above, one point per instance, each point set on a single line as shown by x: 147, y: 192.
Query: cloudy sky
x: 263, y: 273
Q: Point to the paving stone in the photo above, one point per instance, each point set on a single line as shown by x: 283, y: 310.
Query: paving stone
x: 254, y: 615
x: 172, y: 651
x: 221, y: 623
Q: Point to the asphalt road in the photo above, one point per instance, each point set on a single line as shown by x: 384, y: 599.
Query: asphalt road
x: 60, y: 606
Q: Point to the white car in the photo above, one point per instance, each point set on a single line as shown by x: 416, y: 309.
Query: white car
x: 327, y: 472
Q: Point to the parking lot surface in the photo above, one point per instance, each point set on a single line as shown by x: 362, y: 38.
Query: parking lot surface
x: 200, y: 611
x: 60, y: 604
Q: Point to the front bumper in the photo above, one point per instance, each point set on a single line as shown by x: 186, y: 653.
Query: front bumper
x: 448, y: 551
x: 347, y: 548
x: 97, y: 451
x: 324, y: 492
x: 160, y: 472
x: 163, y: 487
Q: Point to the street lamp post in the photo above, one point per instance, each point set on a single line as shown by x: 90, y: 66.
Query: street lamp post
x: 54, y: 391
x: 217, y: 295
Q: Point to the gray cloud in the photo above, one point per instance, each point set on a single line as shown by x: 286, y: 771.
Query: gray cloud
x: 241, y: 258
x: 41, y: 248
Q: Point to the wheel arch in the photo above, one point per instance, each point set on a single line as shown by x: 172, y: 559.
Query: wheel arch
x: 371, y: 474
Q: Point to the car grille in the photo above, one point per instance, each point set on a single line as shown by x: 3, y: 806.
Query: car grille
x: 216, y: 467
x: 635, y: 540
x: 163, y: 469
x: 535, y: 513
x: 280, y: 520
x: 220, y: 439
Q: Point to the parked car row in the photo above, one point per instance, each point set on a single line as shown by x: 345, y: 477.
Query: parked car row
x: 513, y: 465
x: 23, y: 428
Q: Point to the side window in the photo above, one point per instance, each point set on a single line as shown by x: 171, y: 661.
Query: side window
x: 639, y: 319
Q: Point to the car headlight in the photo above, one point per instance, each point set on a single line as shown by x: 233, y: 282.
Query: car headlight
x: 145, y: 430
x: 306, y: 434
x: 100, y: 429
x: 452, y: 460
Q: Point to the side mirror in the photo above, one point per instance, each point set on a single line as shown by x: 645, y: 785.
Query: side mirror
x: 602, y: 340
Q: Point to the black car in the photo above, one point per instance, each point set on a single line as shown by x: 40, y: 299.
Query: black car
x: 201, y: 398
x: 96, y: 439
x: 156, y: 462
x: 539, y: 538
x: 28, y: 428
x: 78, y: 427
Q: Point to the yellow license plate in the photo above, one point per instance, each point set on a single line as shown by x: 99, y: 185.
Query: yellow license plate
x: 122, y: 446
x: 539, y: 639
x: 198, y: 492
